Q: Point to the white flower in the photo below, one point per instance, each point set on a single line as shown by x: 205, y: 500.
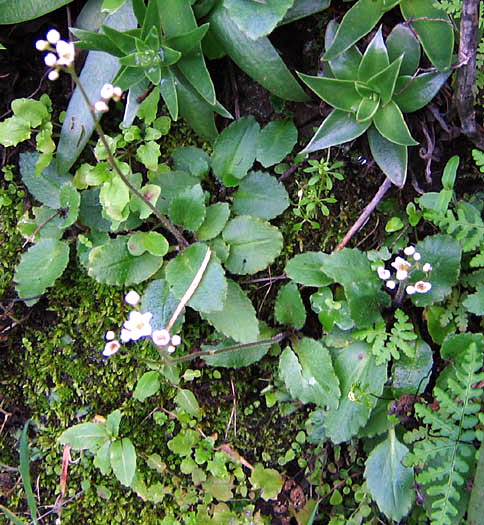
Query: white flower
x: 401, y: 275
x: 427, y: 267
x: 125, y: 335
x: 53, y: 36
x: 117, y: 93
x: 161, y: 337
x: 101, y: 107
x: 417, y: 256
x: 132, y: 297
x: 383, y: 273
x: 422, y: 287
x: 41, y: 45
x: 176, y: 340
x: 300, y: 194
x: 111, y: 348
x: 50, y: 60
x: 107, y: 91
x: 138, y: 325
x: 66, y: 53
x: 53, y: 75
x: 409, y: 250
x: 109, y: 335
x: 170, y: 349
x: 401, y: 264
x: 391, y: 284
x: 410, y: 290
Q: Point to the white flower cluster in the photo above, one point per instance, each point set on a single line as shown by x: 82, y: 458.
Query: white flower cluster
x: 403, y: 269
x: 136, y: 327
x: 108, y: 92
x: 60, y: 53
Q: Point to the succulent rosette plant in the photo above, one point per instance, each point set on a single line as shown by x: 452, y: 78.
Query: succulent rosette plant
x: 370, y: 92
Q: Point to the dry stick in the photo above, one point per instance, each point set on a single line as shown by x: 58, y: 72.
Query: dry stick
x: 466, y: 77
x: 366, y: 213
x: 112, y: 161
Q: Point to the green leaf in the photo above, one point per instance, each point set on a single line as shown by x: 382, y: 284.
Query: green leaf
x: 436, y: 36
x: 254, y: 244
x: 338, y: 127
x: 403, y: 40
x: 123, y: 460
x: 186, y: 43
x: 168, y: 90
x: 389, y: 482
x: 303, y: 8
x: 444, y: 254
x: 12, y: 517
x: 102, y: 459
x: 112, y: 423
x: 260, y: 195
x: 14, y: 12
x: 192, y: 160
x: 215, y: 219
x: 188, y: 208
x: 375, y: 58
x: 183, y: 443
x: 357, y: 22
x: 257, y: 19
x: 475, y: 302
x: 341, y: 94
x: 367, y: 109
x: 219, y: 488
x: 344, y: 66
x: 276, y: 141
x: 148, y: 155
x: 111, y: 5
x: 39, y: 267
x: 410, y: 375
x: 152, y: 242
x: 235, y: 149
x: 289, y: 308
x: 34, y: 112
x: 390, y: 157
x: 331, y: 312
x: 90, y: 211
x: 46, y: 187
x: 258, y: 58
x: 85, y: 436
x: 95, y: 41
x: 186, y: 400
x: 212, y: 290
x: 384, y: 81
x: 308, y: 374
x: 391, y: 125
x: 114, y: 197
x: 69, y: 199
x: 268, y: 480
x: 158, y: 300
x: 148, y: 385
x: 113, y: 264
x: 151, y: 192
x: 24, y: 469
x: 237, y: 306
x: 361, y: 382
x: 14, y: 130
x: 307, y: 269
x: 412, y: 94
x: 171, y: 183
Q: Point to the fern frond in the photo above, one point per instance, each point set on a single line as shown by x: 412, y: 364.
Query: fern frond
x: 464, y: 224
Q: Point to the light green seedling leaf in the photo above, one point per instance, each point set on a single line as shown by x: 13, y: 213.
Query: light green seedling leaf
x: 123, y: 460
x: 102, y: 459
x: 238, y: 319
x: 260, y: 195
x: 32, y: 111
x: 151, y: 192
x: 235, y: 150
x: 308, y: 374
x: 192, y: 160
x: 85, y: 436
x: 112, y: 423
x: 148, y: 385
x: 158, y: 300
x: 114, y: 198
x: 411, y: 374
x: 113, y: 264
x: 183, y: 443
x: 186, y: 400
x: 268, y: 480
x: 39, y: 267
x: 46, y: 187
x: 307, y: 269
x: 212, y: 290
x: 289, y: 308
x: 361, y: 382
x: 188, y: 208
x: 148, y: 154
x: 14, y: 130
x: 443, y: 252
x: 276, y: 141
x: 152, y: 242
x: 219, y: 488
x: 331, y: 312
x: 69, y: 199
x: 216, y: 218
x: 389, y: 482
x: 148, y: 109
x: 254, y: 244
x: 475, y: 301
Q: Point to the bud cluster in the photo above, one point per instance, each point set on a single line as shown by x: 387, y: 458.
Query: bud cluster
x: 108, y: 92
x: 60, y: 54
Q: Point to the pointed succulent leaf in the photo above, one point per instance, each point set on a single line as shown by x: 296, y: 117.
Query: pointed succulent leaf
x: 364, y: 90
x: 341, y: 94
x: 168, y: 91
x: 434, y: 30
x: 338, y: 127
x: 384, y: 81
x: 367, y: 108
x: 303, y: 8
x: 357, y: 22
x: 168, y: 56
x: 412, y: 94
x: 187, y: 42
x: 196, y: 73
x: 95, y: 41
x: 344, y: 66
x: 125, y: 41
x: 391, y: 158
x: 390, y: 123
x: 403, y: 40
x: 375, y: 58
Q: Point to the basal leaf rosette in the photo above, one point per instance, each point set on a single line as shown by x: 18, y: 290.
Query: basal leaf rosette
x: 370, y: 92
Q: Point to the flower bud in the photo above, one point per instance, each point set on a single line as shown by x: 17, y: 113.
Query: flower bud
x: 53, y: 36
x: 101, y: 107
